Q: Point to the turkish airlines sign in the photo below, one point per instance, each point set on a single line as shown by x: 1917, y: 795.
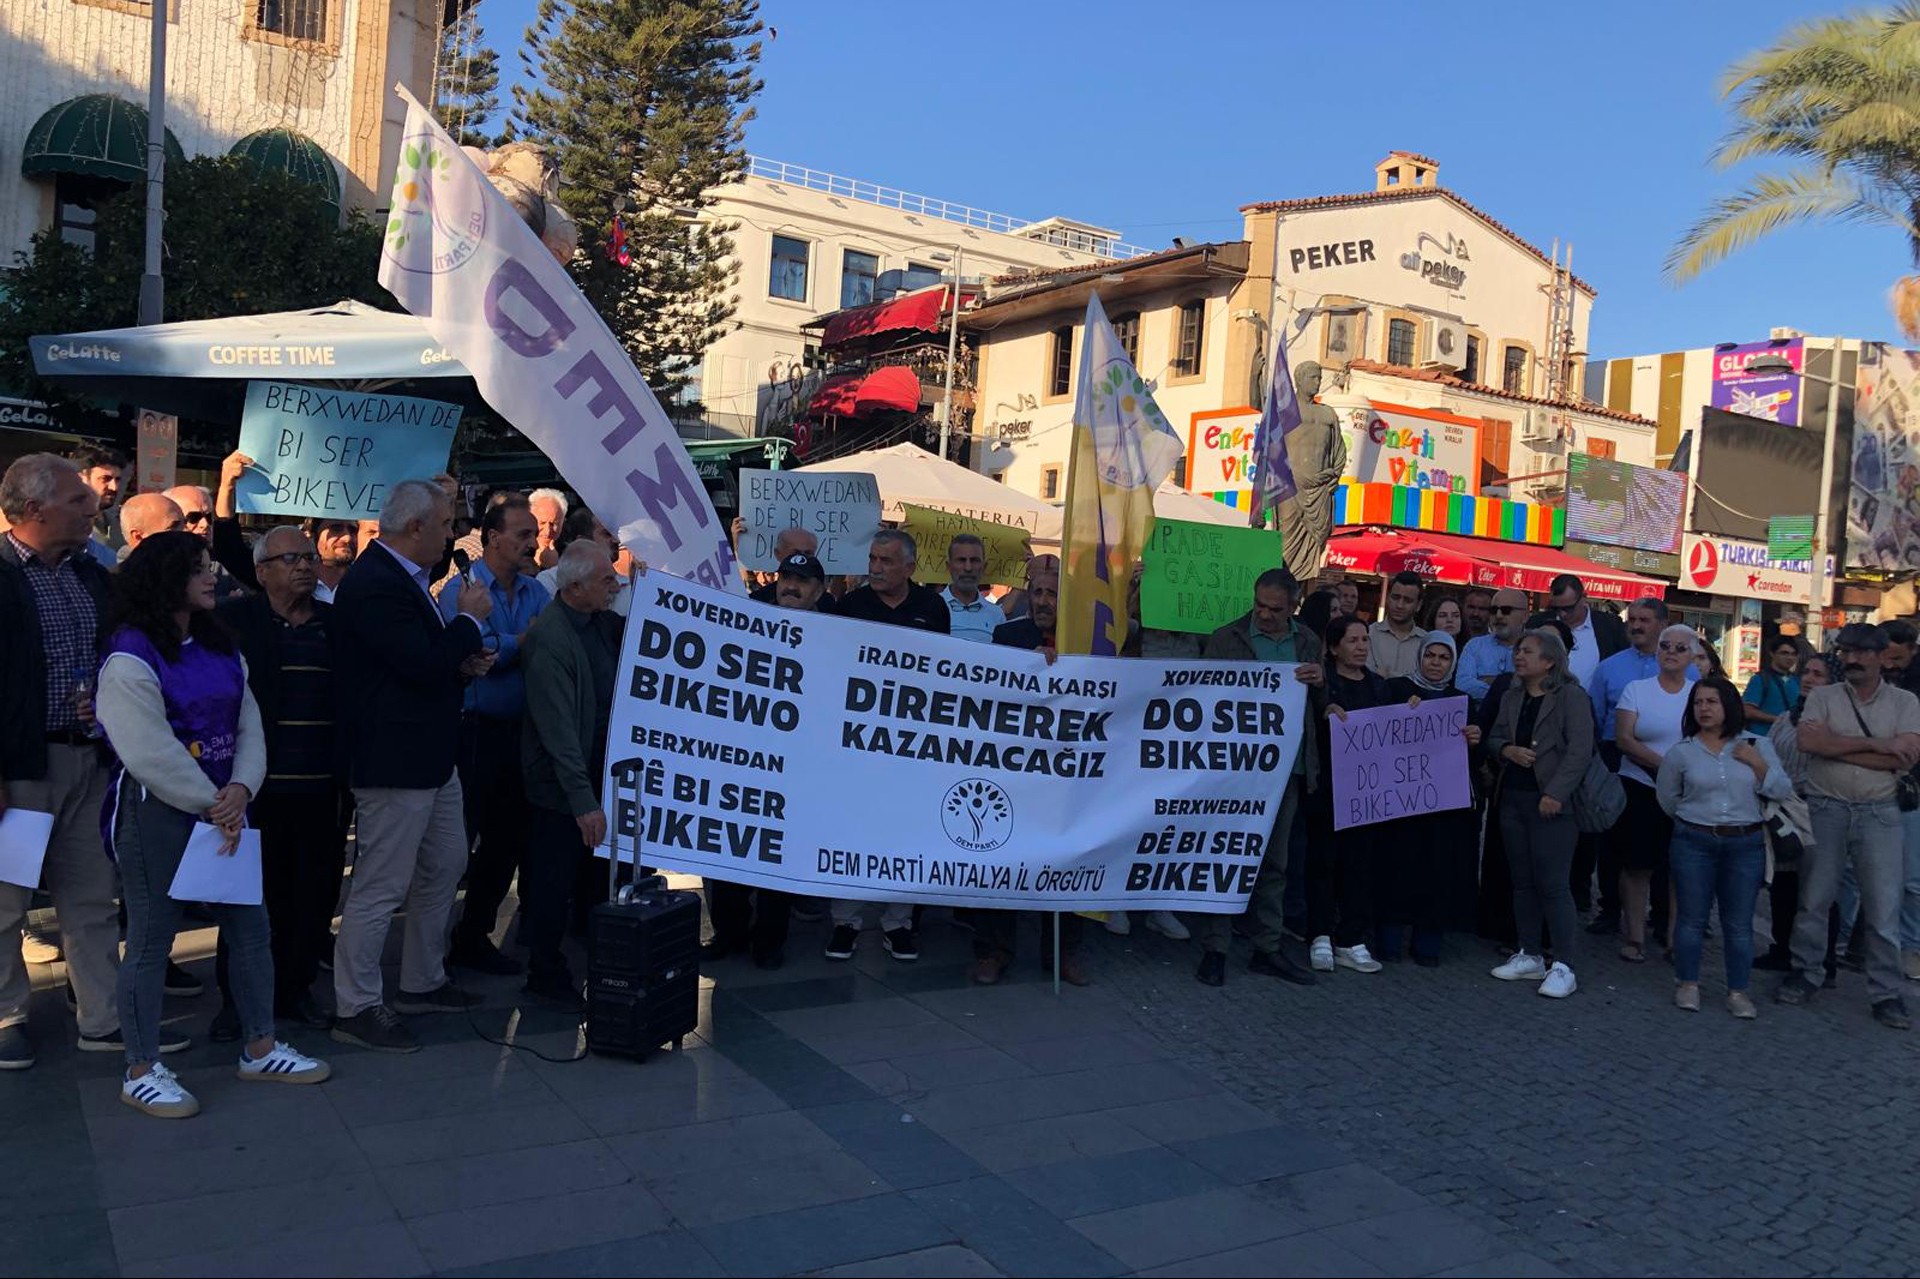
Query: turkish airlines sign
x: 1734, y: 566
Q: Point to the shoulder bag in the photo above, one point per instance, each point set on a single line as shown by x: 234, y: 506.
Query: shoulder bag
x: 1906, y: 787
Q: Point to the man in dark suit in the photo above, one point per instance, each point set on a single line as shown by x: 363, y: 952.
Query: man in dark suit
x: 1596, y: 635
x: 401, y: 674
x: 285, y: 635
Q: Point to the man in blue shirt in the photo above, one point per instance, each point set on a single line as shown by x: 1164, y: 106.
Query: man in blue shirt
x: 1489, y: 655
x: 1774, y: 689
x: 972, y: 616
x: 491, y: 777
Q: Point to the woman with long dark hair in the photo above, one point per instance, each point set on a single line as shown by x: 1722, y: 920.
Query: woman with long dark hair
x: 174, y: 702
x: 1542, y: 739
x: 1713, y: 784
x: 1444, y: 615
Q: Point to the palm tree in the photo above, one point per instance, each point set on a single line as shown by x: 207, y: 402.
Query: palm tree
x: 1839, y: 97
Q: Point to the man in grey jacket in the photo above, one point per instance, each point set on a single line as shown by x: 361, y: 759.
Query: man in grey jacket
x: 571, y: 656
x: 1268, y: 633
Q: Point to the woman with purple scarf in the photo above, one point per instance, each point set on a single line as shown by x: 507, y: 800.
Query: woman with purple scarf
x: 174, y: 702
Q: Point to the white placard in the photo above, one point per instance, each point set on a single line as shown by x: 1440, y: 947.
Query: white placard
x: 208, y: 875
x: 842, y: 509
x: 23, y: 845
x: 838, y: 758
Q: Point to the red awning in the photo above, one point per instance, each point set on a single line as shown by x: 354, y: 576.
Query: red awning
x: 915, y: 311
x: 1533, y: 568
x: 1475, y: 561
x: 893, y: 386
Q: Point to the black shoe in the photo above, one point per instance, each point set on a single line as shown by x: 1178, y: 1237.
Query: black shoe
x: 1831, y: 981
x: 1605, y: 925
x: 1892, y: 1013
x: 1427, y: 961
x: 1212, y: 970
x: 1774, y: 961
x: 303, y: 1011
x: 902, y: 944
x: 376, y: 1028
x: 171, y: 1041
x: 1278, y: 965
x: 16, y: 1050
x: 181, y: 982
x: 1854, y: 962
x: 557, y: 988
x: 226, y: 1025
x: 717, y: 950
x: 845, y: 938
x: 444, y: 998
x: 482, y: 956
x: 1796, y: 989
x: 770, y: 959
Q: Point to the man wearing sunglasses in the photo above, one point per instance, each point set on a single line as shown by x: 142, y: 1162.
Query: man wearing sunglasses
x: 284, y: 634
x: 1490, y: 655
x: 1596, y: 636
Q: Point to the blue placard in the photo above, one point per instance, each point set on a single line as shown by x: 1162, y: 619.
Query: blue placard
x: 336, y: 454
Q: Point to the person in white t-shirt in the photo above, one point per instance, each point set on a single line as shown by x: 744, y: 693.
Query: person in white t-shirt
x: 1645, y: 727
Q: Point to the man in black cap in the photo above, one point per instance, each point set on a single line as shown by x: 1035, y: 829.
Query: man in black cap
x: 747, y: 918
x: 1859, y: 736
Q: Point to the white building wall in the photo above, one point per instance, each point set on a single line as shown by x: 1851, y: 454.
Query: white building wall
x: 735, y: 387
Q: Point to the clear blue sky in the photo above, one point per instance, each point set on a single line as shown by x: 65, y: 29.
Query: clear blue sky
x: 1591, y: 123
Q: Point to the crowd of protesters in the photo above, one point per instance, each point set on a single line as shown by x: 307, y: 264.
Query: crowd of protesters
x: 444, y: 694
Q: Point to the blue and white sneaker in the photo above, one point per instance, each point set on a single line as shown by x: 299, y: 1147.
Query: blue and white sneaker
x: 158, y: 1093
x: 284, y: 1065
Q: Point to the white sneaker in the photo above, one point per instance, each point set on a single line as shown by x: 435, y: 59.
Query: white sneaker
x: 37, y: 948
x: 1559, y: 983
x: 1167, y: 924
x: 1521, y: 966
x: 284, y: 1065
x: 1118, y: 924
x: 1358, y: 958
x: 158, y: 1093
x: 1320, y: 954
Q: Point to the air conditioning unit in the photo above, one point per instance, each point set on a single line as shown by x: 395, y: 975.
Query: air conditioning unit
x: 1537, y: 427
x: 1446, y: 344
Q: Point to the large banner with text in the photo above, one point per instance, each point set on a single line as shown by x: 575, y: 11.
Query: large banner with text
x: 837, y: 758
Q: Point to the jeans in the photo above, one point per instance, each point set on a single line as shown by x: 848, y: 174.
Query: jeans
x: 1540, y: 856
x: 1910, y: 899
x: 494, y: 803
x: 150, y: 837
x: 1707, y: 867
x: 1267, y: 904
x: 1867, y: 837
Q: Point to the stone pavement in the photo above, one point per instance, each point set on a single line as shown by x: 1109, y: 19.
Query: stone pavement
x: 888, y: 1119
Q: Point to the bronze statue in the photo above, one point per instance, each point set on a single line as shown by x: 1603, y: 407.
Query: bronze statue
x: 1317, y: 451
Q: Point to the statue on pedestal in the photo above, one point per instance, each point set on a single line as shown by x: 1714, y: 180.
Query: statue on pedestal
x: 1318, y: 454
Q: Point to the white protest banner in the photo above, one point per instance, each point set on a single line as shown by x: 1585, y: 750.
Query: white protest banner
x: 336, y: 454
x: 836, y: 758
x: 458, y: 256
x: 1393, y: 762
x: 842, y: 509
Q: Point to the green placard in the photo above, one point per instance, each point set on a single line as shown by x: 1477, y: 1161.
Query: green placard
x: 1790, y: 537
x: 1199, y: 577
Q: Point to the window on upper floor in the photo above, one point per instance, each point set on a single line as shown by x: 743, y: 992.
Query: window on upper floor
x: 1402, y: 335
x: 1060, y: 363
x: 1126, y: 327
x: 858, y: 274
x: 1470, y: 371
x: 75, y: 197
x: 1190, y: 338
x: 1049, y: 483
x: 1513, y: 370
x: 788, y: 275
x: 919, y: 275
x: 294, y: 19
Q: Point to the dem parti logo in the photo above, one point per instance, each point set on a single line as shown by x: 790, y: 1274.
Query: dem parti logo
x: 439, y: 213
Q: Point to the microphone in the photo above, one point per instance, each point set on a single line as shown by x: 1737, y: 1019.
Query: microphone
x: 461, y: 561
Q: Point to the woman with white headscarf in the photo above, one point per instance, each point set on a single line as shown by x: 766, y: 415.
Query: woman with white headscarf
x: 1415, y: 866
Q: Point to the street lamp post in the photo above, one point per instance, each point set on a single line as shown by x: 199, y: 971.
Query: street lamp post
x: 953, y: 351
x: 152, y: 288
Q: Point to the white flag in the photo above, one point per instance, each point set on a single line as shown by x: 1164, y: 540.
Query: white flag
x: 458, y: 256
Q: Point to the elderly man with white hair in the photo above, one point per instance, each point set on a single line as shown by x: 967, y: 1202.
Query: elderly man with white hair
x: 549, y: 513
x: 285, y: 635
x: 571, y: 657
x: 401, y: 674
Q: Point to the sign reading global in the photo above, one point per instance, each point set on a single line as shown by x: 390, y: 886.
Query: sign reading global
x: 1624, y: 505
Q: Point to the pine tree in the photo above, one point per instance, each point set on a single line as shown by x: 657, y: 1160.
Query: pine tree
x: 467, y: 84
x: 644, y: 104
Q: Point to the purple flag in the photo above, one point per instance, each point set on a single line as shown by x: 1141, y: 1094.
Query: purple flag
x: 1272, y: 473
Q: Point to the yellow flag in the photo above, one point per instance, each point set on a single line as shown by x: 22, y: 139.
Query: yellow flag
x: 1122, y: 448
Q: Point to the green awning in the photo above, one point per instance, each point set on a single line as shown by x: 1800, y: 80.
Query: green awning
x: 285, y: 151
x: 713, y: 459
x: 97, y: 135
